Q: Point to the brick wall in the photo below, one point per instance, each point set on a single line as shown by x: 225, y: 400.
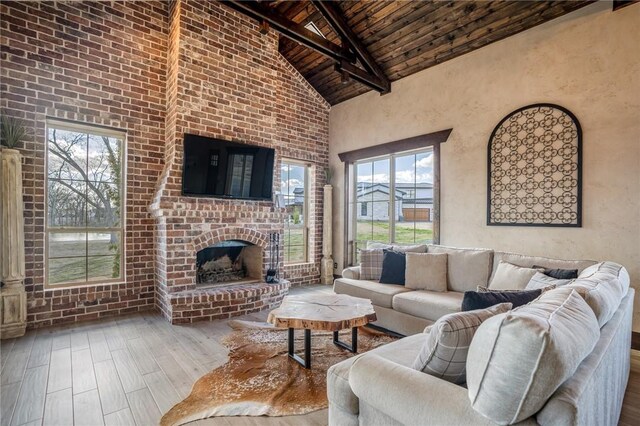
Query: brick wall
x: 231, y: 83
x: 155, y: 70
x: 98, y: 63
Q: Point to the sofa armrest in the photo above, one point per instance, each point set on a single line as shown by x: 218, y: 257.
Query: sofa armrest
x: 410, y: 396
x: 353, y: 272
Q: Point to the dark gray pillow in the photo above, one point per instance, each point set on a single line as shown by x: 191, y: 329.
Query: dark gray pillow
x: 473, y: 300
x: 560, y: 274
x: 393, y: 267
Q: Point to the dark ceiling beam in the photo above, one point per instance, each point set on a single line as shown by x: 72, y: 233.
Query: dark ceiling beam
x: 334, y: 17
x: 363, y: 77
x: 619, y: 4
x: 290, y: 29
x: 345, y: 59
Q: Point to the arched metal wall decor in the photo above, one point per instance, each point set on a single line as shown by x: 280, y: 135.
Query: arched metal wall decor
x: 535, y: 168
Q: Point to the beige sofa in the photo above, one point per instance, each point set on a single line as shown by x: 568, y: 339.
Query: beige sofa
x: 408, y: 311
x: 381, y: 388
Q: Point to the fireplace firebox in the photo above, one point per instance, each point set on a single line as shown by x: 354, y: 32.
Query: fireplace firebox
x: 229, y: 262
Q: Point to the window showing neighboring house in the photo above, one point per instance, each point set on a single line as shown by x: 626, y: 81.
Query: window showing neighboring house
x: 295, y: 189
x: 392, y: 199
x: 85, y: 204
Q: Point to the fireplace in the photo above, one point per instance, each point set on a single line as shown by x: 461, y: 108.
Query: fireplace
x: 229, y: 262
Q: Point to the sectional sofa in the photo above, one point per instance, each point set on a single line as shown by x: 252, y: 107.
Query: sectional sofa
x: 380, y: 387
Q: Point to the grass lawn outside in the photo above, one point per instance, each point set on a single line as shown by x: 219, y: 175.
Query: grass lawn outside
x: 67, y: 261
x: 406, y: 232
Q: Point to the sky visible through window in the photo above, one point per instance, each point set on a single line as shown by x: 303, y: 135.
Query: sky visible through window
x: 409, y: 169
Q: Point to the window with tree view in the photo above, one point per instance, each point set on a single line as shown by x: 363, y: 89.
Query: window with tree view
x: 295, y: 189
x: 393, y: 199
x: 85, y: 204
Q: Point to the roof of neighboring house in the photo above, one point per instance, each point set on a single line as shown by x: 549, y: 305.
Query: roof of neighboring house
x: 382, y: 189
x: 298, y: 190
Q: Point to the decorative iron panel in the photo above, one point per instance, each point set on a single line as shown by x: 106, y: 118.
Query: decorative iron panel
x: 535, y: 168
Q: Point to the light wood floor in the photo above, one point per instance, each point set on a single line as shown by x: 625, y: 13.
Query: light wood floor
x: 130, y: 370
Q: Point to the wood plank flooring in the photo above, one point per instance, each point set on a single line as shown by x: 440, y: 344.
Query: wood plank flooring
x: 130, y: 370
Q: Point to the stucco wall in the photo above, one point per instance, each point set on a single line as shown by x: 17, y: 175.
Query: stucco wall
x: 587, y: 61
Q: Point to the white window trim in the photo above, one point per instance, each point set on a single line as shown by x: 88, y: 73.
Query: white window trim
x: 94, y: 129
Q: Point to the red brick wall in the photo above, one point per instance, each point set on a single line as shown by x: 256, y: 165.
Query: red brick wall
x: 101, y: 63
x: 155, y: 70
x: 231, y: 83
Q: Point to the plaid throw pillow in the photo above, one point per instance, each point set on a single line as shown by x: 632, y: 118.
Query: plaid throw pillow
x: 444, y: 354
x: 371, y: 264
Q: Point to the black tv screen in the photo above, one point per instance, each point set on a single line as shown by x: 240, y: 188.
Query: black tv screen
x: 218, y: 168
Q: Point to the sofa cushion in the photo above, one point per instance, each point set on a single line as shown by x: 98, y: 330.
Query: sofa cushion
x: 379, y: 294
x: 429, y: 305
x: 371, y: 264
x: 511, y: 277
x: 466, y: 268
x: 444, y: 353
x: 394, y: 264
x: 602, y: 289
x: 545, y: 282
x: 402, y: 352
x: 426, y: 271
x: 546, y: 262
x: 473, y: 300
x: 518, y: 359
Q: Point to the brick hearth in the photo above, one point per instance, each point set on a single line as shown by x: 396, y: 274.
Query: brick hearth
x: 225, y: 302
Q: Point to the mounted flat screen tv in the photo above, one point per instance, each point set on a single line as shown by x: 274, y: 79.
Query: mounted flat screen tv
x: 218, y: 168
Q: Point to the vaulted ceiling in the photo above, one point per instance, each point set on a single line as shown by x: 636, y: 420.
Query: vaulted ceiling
x: 405, y: 37
x: 378, y: 41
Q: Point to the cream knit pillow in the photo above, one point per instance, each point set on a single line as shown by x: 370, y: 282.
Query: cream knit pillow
x: 511, y: 277
x: 425, y: 271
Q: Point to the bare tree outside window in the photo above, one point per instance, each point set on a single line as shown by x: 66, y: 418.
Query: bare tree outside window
x: 84, y: 204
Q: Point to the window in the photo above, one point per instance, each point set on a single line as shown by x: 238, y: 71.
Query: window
x: 295, y: 189
x: 85, y: 204
x: 392, y: 199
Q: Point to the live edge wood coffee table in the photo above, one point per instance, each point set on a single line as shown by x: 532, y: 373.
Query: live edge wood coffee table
x: 322, y: 312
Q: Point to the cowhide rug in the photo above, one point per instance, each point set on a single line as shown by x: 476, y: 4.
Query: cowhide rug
x: 261, y: 380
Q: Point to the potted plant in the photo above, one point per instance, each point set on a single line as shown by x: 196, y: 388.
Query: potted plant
x: 12, y: 131
x: 12, y: 294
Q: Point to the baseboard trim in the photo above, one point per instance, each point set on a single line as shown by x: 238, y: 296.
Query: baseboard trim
x: 635, y: 340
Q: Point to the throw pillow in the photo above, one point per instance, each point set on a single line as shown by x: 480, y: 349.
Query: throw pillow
x: 393, y: 267
x: 444, y: 354
x: 371, y: 264
x: 545, y: 282
x: 426, y: 271
x: 561, y: 274
x: 473, y: 300
x: 511, y: 277
x: 517, y: 360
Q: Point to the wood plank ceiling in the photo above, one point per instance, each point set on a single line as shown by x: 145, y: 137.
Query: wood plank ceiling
x: 405, y: 37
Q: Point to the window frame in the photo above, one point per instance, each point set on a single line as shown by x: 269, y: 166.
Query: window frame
x: 98, y: 130
x: 306, y: 214
x: 352, y: 202
x: 434, y: 139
